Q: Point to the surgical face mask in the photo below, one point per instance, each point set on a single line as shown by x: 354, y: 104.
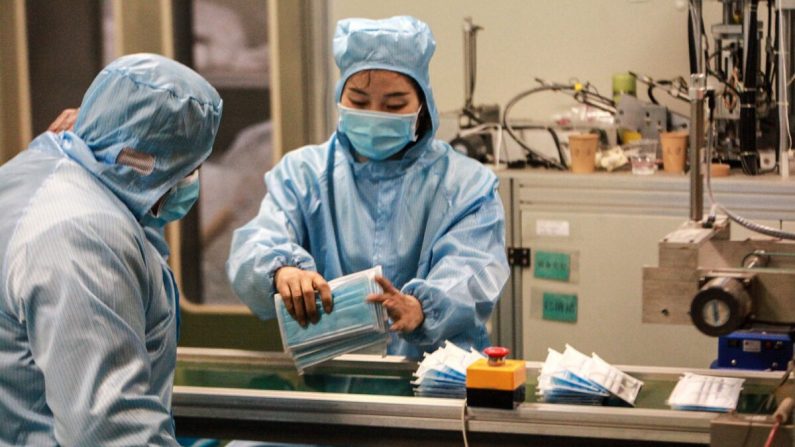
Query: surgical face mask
x: 442, y: 373
x: 377, y: 135
x: 176, y: 203
x: 573, y: 377
x: 352, y: 325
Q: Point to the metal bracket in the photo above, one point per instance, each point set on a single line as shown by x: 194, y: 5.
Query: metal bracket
x: 519, y: 257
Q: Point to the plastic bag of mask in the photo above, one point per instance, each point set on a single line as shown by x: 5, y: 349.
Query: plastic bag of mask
x: 573, y: 377
x: 353, y: 324
x: 695, y: 392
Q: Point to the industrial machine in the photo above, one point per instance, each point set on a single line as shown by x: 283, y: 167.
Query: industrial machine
x: 704, y: 277
x: 719, y: 284
x: 750, y: 63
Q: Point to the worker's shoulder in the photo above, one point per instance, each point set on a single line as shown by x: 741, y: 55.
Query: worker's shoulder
x: 460, y: 163
x: 460, y: 174
x: 307, y: 162
x: 72, y: 207
x: 313, y: 156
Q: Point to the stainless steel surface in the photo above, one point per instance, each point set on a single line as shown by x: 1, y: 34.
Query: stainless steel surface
x: 419, y: 413
x: 509, y: 312
x: 347, y: 362
x: 768, y: 197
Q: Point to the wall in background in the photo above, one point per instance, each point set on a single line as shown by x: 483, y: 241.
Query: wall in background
x: 554, y: 40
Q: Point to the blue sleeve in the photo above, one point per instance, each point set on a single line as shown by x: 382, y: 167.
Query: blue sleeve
x: 271, y: 240
x: 84, y: 290
x: 469, y: 268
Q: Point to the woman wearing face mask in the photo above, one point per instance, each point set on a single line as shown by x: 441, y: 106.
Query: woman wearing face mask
x: 382, y: 191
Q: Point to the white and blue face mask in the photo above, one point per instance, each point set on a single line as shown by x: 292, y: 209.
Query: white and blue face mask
x: 176, y: 203
x: 377, y: 135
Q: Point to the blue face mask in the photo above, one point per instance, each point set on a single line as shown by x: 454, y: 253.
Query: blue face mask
x: 353, y: 323
x: 377, y: 135
x: 176, y: 203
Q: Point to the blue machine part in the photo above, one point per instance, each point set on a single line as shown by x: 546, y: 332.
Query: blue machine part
x: 754, y: 350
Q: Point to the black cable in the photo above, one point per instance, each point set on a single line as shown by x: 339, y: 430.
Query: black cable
x: 554, y: 136
x: 534, y: 158
x: 768, y: 49
x: 650, y: 94
x: 603, y: 103
x: 653, y: 84
x: 691, y: 42
x: 557, y: 145
x: 471, y: 114
x: 723, y: 81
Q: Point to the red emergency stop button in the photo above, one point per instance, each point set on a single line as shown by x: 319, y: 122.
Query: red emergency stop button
x: 496, y: 355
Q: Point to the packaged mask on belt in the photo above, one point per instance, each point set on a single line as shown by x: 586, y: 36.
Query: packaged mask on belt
x: 696, y: 392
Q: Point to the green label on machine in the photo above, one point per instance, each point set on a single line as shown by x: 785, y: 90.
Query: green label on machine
x: 552, y: 265
x: 560, y: 307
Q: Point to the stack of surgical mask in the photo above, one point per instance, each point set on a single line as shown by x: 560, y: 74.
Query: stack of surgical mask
x: 353, y: 323
x: 706, y: 393
x: 574, y: 378
x: 443, y: 373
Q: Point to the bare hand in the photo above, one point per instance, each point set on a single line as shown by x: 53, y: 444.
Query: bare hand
x: 298, y: 288
x: 65, y: 121
x: 404, y: 310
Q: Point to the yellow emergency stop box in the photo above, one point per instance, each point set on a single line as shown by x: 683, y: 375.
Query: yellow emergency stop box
x: 496, y: 386
x: 505, y: 377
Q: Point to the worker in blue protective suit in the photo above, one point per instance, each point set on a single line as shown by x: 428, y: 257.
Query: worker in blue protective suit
x: 382, y: 191
x: 88, y: 305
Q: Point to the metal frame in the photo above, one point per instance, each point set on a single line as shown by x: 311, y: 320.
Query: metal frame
x: 506, y: 322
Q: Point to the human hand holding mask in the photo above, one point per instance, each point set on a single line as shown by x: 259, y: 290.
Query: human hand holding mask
x: 355, y: 324
x: 404, y: 310
x: 297, y: 288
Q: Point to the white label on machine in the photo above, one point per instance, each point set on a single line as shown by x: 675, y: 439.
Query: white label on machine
x: 558, y: 228
x: 752, y: 346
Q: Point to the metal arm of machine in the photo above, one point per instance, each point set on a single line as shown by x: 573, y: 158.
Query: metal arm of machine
x: 735, y: 284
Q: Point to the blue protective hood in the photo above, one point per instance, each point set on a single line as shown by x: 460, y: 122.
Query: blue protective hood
x: 402, y: 44
x: 155, y: 106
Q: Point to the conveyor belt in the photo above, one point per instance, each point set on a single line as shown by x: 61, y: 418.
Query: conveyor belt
x: 220, y: 394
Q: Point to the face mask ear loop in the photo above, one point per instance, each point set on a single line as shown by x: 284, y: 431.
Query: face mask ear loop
x: 193, y: 177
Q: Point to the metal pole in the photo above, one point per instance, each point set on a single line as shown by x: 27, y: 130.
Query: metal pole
x: 783, y: 63
x: 698, y: 87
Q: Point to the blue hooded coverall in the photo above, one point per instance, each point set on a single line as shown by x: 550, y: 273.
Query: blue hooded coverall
x: 432, y: 218
x: 88, y: 305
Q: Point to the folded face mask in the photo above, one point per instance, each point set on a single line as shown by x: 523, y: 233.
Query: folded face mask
x: 353, y: 323
x: 442, y: 373
x: 573, y: 377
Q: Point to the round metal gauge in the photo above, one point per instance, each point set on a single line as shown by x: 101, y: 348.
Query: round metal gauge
x: 715, y: 313
x: 721, y: 306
